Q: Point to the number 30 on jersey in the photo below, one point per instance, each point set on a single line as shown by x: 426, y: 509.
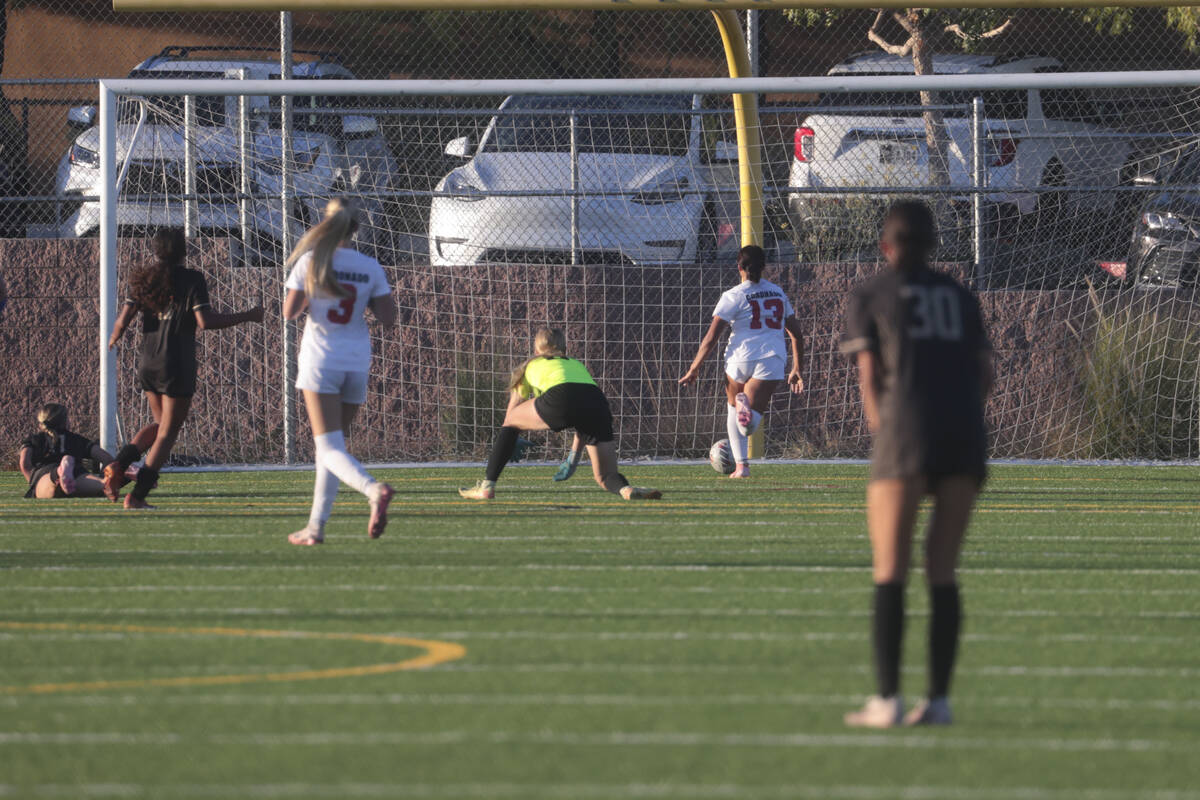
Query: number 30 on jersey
x: 935, y: 313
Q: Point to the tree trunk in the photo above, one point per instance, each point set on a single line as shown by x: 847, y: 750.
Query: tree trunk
x: 936, y: 142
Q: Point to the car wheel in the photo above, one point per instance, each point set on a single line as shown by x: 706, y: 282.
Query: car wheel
x: 1051, y: 203
x: 706, y: 244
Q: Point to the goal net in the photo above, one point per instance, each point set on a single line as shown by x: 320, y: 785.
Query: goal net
x: 611, y: 210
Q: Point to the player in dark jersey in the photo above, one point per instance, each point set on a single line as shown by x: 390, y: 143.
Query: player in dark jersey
x: 52, y: 458
x: 173, y: 302
x: 925, y: 369
x: 556, y: 393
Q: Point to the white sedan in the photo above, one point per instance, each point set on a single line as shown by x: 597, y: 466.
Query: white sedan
x: 639, y: 172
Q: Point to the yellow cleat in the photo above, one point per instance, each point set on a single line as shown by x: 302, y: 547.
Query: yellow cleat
x: 639, y: 493
x: 478, y: 492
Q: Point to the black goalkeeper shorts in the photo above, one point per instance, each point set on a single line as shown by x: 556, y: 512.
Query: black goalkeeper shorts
x: 579, y: 406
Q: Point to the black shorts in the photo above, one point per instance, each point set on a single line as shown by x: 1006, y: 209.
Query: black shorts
x: 52, y: 471
x: 171, y: 382
x: 893, y: 459
x: 581, y: 406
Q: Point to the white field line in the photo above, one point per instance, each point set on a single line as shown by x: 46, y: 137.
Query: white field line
x: 590, y: 791
x: 681, y: 637
x: 1024, y: 702
x: 538, y: 611
x: 863, y: 570
x: 609, y: 739
x: 722, y: 669
x: 457, y: 588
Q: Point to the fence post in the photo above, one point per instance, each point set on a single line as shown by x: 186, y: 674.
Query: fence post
x: 978, y: 181
x: 285, y: 238
x: 243, y: 107
x: 753, y: 50
x: 191, y: 210
x: 575, y: 244
x: 108, y: 266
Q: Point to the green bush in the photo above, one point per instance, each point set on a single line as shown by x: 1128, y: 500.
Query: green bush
x: 1141, y: 380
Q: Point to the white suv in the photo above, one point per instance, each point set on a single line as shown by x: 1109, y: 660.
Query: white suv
x: 333, y: 153
x: 1034, y: 141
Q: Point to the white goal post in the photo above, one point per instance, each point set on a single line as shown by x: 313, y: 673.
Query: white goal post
x: 974, y: 186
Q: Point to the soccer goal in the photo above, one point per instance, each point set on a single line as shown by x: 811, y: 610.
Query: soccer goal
x: 612, y: 209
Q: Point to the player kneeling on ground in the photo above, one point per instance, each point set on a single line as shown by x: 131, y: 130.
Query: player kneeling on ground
x: 553, y: 392
x: 757, y: 313
x: 52, y: 459
x: 924, y: 368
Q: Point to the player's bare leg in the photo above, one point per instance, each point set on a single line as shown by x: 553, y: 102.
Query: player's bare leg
x: 750, y: 401
x: 892, y: 507
x: 117, y: 473
x: 954, y: 500
x: 171, y: 414
x: 604, y: 469
x: 328, y: 415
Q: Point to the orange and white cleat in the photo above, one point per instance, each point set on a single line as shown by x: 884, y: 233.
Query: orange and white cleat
x: 744, y: 416
x: 742, y: 471
x: 479, y: 491
x: 66, y: 475
x: 640, y: 493
x: 133, y: 504
x: 306, y: 538
x: 878, y: 712
x: 379, y: 507
x: 113, y: 478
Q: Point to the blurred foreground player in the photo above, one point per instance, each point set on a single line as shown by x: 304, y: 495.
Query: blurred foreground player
x: 925, y: 369
x: 173, y: 302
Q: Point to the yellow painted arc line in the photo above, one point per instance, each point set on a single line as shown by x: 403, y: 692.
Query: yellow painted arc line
x: 435, y: 653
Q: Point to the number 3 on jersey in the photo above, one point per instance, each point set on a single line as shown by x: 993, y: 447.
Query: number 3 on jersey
x: 936, y: 313
x: 774, y: 307
x: 343, y: 312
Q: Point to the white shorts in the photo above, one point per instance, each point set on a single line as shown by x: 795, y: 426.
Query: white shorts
x: 772, y: 368
x: 352, y: 386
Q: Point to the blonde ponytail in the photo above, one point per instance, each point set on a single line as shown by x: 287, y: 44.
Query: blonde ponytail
x: 338, y: 224
x: 547, y: 343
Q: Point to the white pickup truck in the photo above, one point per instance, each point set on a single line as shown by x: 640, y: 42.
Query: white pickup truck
x: 1033, y: 141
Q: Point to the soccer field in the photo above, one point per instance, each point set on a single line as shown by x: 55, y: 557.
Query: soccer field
x: 560, y: 643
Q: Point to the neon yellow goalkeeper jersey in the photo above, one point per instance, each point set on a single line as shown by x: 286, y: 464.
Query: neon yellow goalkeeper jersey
x: 546, y: 372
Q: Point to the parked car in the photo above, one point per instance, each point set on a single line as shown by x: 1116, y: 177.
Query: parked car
x: 333, y: 153
x: 647, y: 177
x: 1166, y: 237
x: 1034, y: 141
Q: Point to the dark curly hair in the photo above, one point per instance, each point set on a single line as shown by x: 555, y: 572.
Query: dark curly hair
x: 152, y: 284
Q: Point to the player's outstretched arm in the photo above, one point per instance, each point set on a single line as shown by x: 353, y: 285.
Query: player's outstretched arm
x: 294, y: 304
x: 123, y: 319
x: 707, y: 345
x: 796, y: 335
x: 384, y: 309
x: 209, y: 320
x: 25, y: 460
x: 100, y: 455
x: 866, y: 384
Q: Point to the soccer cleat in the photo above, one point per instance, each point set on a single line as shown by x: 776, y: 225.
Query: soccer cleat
x: 379, y: 507
x: 113, y: 479
x: 478, y: 492
x: 133, y: 504
x: 879, y: 712
x: 66, y: 475
x: 306, y: 537
x: 640, y: 493
x: 744, y: 417
x: 935, y: 711
x: 742, y: 471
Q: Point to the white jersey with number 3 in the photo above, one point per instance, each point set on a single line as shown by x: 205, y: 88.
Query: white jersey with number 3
x: 755, y: 313
x: 335, y: 335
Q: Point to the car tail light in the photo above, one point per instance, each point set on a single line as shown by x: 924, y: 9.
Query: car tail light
x: 804, y: 143
x: 1004, y: 153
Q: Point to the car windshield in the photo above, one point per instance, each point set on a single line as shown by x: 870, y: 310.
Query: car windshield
x: 1007, y: 104
x: 168, y: 109
x: 629, y: 125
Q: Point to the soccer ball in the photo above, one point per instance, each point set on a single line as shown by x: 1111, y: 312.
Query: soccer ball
x: 720, y: 455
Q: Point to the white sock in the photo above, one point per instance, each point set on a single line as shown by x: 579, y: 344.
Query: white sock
x: 737, y: 440
x: 332, y: 455
x: 325, y: 489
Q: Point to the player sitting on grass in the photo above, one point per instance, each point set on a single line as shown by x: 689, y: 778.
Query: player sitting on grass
x: 757, y: 313
x: 52, y: 459
x: 924, y: 368
x: 553, y: 392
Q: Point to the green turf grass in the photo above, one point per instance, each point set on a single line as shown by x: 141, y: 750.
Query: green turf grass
x: 701, y: 647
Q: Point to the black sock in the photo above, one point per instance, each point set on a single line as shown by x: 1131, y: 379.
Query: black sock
x: 127, y: 455
x: 615, y: 483
x: 888, y: 636
x: 146, y: 478
x: 502, y: 450
x: 945, y: 622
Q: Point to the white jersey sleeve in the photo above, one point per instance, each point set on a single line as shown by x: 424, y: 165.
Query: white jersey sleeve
x: 755, y: 313
x: 336, y: 335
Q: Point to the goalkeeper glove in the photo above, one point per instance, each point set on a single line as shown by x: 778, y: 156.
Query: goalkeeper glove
x: 568, y: 467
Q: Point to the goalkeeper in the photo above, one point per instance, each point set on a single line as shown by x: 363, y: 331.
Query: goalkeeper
x: 553, y: 392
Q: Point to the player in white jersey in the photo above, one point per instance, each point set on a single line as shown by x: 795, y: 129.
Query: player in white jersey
x: 336, y: 284
x: 757, y: 314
